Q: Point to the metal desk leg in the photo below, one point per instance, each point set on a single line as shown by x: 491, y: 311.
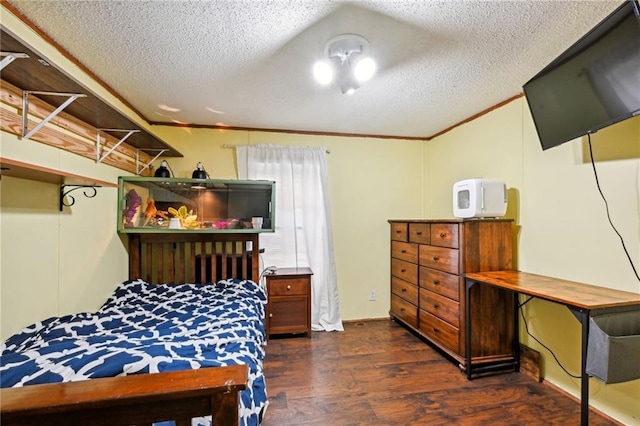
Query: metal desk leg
x: 583, y: 316
x: 515, y: 345
x: 467, y: 323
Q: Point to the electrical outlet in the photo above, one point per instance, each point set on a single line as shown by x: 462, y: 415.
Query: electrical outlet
x: 372, y: 295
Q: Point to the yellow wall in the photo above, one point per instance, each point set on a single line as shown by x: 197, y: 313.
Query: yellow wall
x: 55, y: 263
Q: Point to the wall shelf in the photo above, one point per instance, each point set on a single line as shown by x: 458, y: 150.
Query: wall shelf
x: 22, y: 170
x: 35, y: 74
x: 68, y: 182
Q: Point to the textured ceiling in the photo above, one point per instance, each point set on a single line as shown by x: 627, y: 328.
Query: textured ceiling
x: 248, y: 63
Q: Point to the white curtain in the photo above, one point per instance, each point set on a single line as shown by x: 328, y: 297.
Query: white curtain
x: 303, y: 231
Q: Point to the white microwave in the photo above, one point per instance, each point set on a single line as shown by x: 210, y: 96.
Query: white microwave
x: 479, y: 198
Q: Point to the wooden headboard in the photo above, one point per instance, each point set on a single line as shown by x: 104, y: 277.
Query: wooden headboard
x: 179, y: 258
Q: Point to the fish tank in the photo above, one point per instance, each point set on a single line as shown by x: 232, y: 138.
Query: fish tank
x: 157, y: 205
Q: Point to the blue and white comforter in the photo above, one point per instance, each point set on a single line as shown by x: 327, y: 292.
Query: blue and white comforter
x: 146, y: 328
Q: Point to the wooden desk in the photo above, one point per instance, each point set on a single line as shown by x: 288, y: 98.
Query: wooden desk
x: 580, y: 298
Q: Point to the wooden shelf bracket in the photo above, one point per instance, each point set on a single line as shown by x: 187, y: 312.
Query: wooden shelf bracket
x: 25, y: 109
x: 65, y: 192
x: 140, y: 170
x: 10, y: 57
x: 99, y: 158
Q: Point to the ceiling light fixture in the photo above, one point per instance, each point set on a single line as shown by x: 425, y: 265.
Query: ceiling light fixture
x: 347, y: 57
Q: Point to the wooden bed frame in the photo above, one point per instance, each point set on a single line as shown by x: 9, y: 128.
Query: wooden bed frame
x: 193, y: 257
x: 146, y: 398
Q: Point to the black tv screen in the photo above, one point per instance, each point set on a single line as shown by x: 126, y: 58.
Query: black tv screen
x: 593, y: 84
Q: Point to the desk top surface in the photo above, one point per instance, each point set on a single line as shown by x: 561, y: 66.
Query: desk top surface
x: 571, y: 293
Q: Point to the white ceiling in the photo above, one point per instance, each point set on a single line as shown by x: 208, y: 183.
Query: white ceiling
x: 247, y: 64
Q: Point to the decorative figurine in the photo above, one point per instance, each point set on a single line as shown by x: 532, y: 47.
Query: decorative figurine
x: 152, y: 214
x: 132, y: 202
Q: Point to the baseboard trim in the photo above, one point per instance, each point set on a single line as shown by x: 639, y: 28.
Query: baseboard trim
x: 363, y: 320
x: 576, y: 399
x: 530, y: 363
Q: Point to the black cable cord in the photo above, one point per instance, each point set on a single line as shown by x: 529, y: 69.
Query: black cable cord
x: 526, y: 327
x: 606, y: 205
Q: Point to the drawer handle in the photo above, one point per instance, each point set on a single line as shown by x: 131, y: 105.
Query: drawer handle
x: 270, y: 315
x: 403, y: 251
x: 288, y: 287
x: 436, y: 330
x: 436, y: 282
x: 436, y: 305
x: 403, y: 270
x: 398, y: 231
x: 436, y: 258
x: 419, y: 233
x: 404, y: 290
x: 442, y: 235
x: 401, y: 309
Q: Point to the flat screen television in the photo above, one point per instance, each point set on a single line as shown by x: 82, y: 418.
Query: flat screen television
x: 593, y: 84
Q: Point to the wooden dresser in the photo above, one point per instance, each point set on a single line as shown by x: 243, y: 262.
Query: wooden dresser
x: 289, y: 307
x: 428, y: 261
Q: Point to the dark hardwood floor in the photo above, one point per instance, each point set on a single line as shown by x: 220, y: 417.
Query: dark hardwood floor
x: 378, y: 373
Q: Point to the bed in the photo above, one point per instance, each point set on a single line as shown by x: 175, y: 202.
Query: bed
x: 200, y: 332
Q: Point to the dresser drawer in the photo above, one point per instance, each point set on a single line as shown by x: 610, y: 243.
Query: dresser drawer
x: 289, y: 286
x: 404, y: 289
x: 440, y: 306
x: 444, y: 235
x: 419, y: 233
x: 404, y: 251
x: 404, y: 310
x: 440, y: 258
x: 440, y: 331
x: 440, y: 282
x: 405, y: 270
x: 399, y: 231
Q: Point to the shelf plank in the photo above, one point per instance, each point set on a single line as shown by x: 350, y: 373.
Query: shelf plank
x: 32, y: 75
x: 19, y: 169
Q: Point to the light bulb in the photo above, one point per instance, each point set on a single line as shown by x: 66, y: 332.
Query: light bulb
x: 323, y: 72
x: 364, y: 69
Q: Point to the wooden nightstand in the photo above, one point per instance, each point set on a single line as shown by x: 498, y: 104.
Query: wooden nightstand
x: 289, y: 307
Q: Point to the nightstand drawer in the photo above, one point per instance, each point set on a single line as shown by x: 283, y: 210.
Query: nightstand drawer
x: 289, y: 315
x: 289, y: 286
x: 404, y: 251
